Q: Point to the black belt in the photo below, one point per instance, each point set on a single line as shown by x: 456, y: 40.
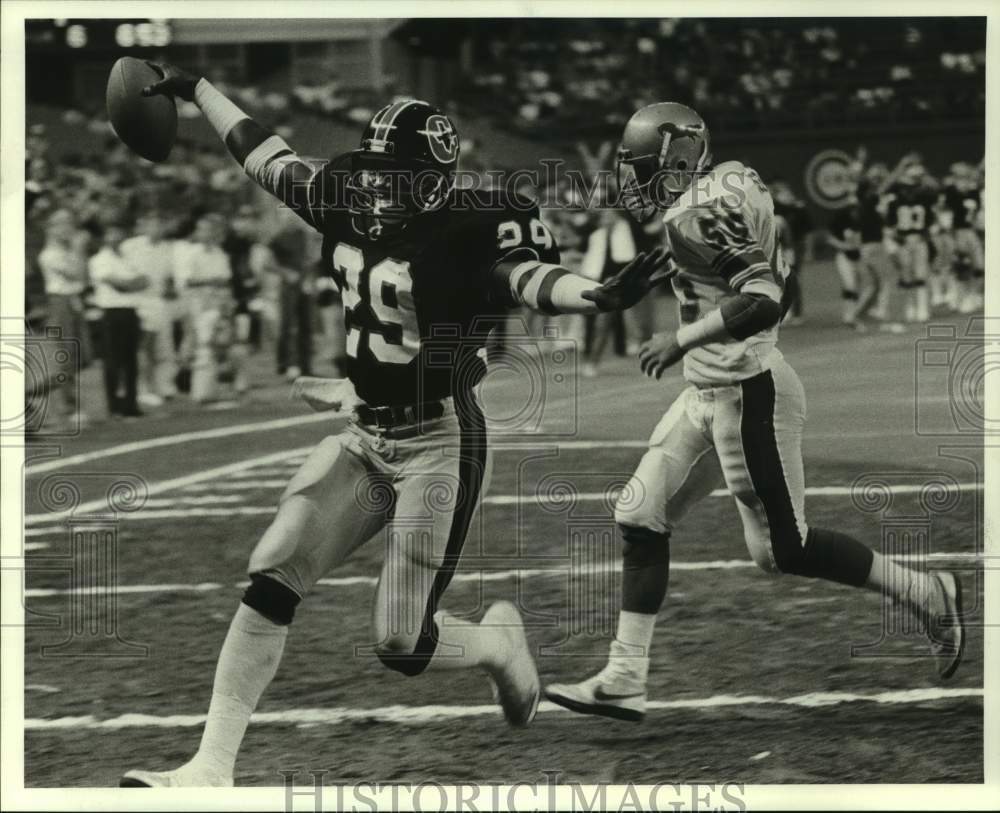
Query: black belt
x: 388, y: 417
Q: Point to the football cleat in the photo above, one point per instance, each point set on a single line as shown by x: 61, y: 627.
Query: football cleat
x: 946, y: 630
x: 186, y: 776
x: 616, y: 691
x: 516, y: 685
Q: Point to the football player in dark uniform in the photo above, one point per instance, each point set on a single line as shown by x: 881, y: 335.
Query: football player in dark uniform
x: 909, y: 214
x: 961, y: 199
x: 421, y: 268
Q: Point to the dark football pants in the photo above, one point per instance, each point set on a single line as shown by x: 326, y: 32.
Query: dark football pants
x: 422, y: 491
x: 121, y: 358
x: 747, y: 436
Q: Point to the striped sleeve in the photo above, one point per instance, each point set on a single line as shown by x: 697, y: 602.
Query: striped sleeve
x: 295, y: 181
x: 264, y: 156
x: 719, y: 236
x: 523, y: 279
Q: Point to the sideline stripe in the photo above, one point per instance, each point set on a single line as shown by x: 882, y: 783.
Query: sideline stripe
x: 500, y: 499
x: 421, y: 715
x: 476, y: 576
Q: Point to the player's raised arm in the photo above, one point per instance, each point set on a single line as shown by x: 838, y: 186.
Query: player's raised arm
x: 264, y: 155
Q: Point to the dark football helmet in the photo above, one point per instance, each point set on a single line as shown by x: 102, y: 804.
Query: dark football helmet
x: 404, y: 167
x: 663, y: 149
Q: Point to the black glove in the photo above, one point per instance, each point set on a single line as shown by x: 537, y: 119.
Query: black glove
x: 633, y: 282
x: 175, y: 82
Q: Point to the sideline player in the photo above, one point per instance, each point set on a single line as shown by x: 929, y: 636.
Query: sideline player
x: 910, y: 206
x: 962, y: 199
x: 741, y: 418
x: 419, y: 265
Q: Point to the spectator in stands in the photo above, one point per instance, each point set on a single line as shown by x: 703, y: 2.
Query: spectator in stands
x: 240, y: 240
x: 291, y: 263
x: 63, y: 264
x: 151, y: 253
x: 209, y: 307
x: 119, y: 288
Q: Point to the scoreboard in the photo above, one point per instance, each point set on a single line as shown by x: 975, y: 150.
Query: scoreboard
x: 97, y: 34
x: 67, y: 61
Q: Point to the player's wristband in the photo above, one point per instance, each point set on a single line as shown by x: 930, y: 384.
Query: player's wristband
x: 221, y: 113
x: 710, y: 328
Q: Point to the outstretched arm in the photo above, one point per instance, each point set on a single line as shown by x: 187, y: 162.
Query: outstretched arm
x: 264, y: 155
x: 550, y: 288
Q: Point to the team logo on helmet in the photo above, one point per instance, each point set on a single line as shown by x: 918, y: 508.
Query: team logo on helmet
x: 442, y: 138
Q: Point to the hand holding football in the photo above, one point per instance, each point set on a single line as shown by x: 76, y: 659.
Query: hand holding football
x: 146, y: 125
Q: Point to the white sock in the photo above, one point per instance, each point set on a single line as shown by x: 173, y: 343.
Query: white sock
x: 635, y: 633
x: 463, y: 645
x: 912, y: 588
x: 247, y: 663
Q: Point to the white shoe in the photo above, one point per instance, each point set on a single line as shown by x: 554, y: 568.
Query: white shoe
x: 150, y: 399
x: 589, y: 370
x: 518, y: 688
x: 946, y: 630
x: 188, y: 775
x: 617, y: 691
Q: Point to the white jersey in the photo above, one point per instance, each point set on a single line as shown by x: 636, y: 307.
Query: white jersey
x: 721, y: 233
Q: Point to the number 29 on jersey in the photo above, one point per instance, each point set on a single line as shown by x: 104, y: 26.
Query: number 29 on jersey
x: 394, y: 338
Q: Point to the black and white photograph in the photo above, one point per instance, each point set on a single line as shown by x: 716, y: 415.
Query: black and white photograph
x: 486, y: 406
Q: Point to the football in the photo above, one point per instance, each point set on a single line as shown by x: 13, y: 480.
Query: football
x: 147, y: 126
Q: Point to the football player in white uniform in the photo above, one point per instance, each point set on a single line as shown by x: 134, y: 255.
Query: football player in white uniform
x: 740, y: 421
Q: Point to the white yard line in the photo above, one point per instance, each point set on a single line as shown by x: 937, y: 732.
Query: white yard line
x: 421, y: 715
x: 474, y: 576
x: 243, y: 485
x: 59, y: 463
x: 216, y: 473
x: 150, y: 512
x: 192, y: 499
x: 811, y: 491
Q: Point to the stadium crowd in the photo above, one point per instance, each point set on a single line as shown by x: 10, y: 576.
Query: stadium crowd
x: 590, y: 75
x: 172, y: 274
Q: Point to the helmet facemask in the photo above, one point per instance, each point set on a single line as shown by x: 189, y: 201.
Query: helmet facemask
x: 651, y: 183
x: 383, y: 198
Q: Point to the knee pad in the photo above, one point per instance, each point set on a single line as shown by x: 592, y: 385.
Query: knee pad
x: 401, y: 655
x: 642, y: 547
x: 271, y: 599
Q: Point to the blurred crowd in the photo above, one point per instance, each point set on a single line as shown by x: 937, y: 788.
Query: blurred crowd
x: 172, y: 275
x: 590, y: 75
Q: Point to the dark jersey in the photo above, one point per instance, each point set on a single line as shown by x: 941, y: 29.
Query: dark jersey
x: 870, y: 220
x: 963, y: 204
x: 910, y: 209
x: 846, y: 227
x: 418, y: 304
